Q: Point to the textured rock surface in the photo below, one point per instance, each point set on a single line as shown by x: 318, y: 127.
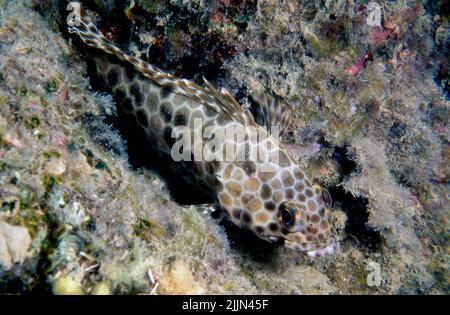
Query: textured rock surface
x: 14, y: 244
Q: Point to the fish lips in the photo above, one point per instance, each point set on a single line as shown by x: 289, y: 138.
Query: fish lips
x: 328, y: 248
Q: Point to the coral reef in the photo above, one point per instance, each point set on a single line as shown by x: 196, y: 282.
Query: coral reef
x: 79, y: 214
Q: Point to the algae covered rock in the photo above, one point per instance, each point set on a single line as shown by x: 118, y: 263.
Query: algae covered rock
x: 14, y: 244
x: 66, y: 286
x: 179, y: 280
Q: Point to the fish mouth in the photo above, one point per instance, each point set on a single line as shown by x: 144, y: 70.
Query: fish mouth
x: 327, y: 250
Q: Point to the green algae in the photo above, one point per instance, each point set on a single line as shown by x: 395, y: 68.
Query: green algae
x: 147, y: 229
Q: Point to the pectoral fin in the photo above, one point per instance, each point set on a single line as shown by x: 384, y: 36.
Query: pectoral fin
x: 269, y: 111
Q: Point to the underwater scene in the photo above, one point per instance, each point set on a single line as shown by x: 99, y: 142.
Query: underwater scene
x: 200, y: 147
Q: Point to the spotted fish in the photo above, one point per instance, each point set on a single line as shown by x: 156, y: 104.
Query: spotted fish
x: 272, y: 198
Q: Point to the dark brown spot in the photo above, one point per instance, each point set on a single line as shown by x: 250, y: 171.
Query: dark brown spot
x: 311, y: 229
x: 266, y: 192
x: 301, y: 198
x: 113, y: 77
x: 142, y: 118
x: 322, y: 213
x: 218, y: 185
x: 299, y: 174
x: 274, y: 227
x: 135, y: 90
x: 324, y: 225
x: 259, y: 229
x: 247, y: 217
x: 312, y: 205
x: 249, y: 167
x: 156, y: 123
x: 152, y: 101
x: 237, y: 213
x: 130, y: 72
x: 166, y: 112
x: 270, y: 205
x: 287, y: 179
x: 227, y: 171
x: 216, y: 165
x: 309, y: 193
x: 252, y: 184
x: 276, y: 184
x: 315, y: 218
x: 266, y: 176
x: 167, y: 135
x: 180, y: 120
x: 234, y: 189
x: 299, y: 187
x: 164, y: 92
x: 246, y: 198
x: 208, y: 167
x: 210, y: 112
x: 289, y: 194
x: 119, y: 96
x: 126, y: 105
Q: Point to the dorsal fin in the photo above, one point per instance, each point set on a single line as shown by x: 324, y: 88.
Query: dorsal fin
x: 268, y: 110
x: 233, y: 108
x: 222, y: 103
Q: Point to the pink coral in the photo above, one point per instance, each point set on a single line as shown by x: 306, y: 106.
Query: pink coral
x: 359, y: 64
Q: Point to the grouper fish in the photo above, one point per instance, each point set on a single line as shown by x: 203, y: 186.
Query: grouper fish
x: 252, y: 177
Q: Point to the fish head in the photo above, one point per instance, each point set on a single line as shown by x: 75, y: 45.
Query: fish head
x: 303, y: 225
x: 308, y: 232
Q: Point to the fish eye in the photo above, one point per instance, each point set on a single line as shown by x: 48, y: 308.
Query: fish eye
x: 286, y: 215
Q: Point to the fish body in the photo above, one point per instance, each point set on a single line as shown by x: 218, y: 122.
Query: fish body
x: 254, y: 179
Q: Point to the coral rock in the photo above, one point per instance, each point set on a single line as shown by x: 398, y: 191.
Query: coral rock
x: 14, y: 244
